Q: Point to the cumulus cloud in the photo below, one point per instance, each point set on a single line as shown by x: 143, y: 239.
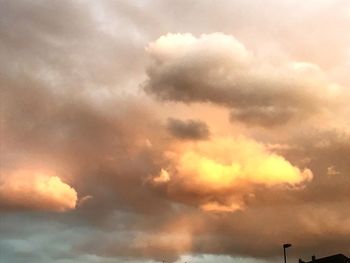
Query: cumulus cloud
x: 218, y: 68
x: 35, y: 190
x: 218, y: 174
x: 188, y: 130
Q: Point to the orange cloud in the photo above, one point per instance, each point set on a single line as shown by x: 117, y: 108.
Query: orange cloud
x: 36, y: 190
x: 162, y: 177
x: 224, y: 170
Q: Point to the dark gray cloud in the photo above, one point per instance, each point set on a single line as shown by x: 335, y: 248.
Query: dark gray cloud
x: 188, y: 130
x: 217, y: 68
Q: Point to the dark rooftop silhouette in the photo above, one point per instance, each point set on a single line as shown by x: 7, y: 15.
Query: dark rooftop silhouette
x: 338, y: 258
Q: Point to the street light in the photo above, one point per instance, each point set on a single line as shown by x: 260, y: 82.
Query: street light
x: 284, y: 251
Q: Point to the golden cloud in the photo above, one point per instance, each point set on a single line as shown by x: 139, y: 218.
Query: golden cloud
x: 224, y: 170
x: 36, y: 190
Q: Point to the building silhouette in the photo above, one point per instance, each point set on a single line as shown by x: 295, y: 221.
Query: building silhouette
x: 338, y: 258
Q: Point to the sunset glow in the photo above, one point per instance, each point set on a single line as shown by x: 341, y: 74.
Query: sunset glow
x: 174, y: 131
x: 36, y: 190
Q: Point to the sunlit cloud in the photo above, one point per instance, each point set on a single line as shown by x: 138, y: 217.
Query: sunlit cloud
x: 225, y: 170
x: 35, y: 190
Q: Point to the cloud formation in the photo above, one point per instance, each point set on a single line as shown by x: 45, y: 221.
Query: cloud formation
x: 188, y: 130
x: 218, y: 68
x: 217, y: 175
x: 35, y: 190
x: 80, y: 136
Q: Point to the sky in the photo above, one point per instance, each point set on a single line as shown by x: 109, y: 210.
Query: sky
x: 172, y: 130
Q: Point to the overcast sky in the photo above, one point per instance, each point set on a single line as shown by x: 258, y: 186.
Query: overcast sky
x: 198, y: 131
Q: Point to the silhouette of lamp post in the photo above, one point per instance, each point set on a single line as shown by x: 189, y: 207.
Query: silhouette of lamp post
x: 285, y: 246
